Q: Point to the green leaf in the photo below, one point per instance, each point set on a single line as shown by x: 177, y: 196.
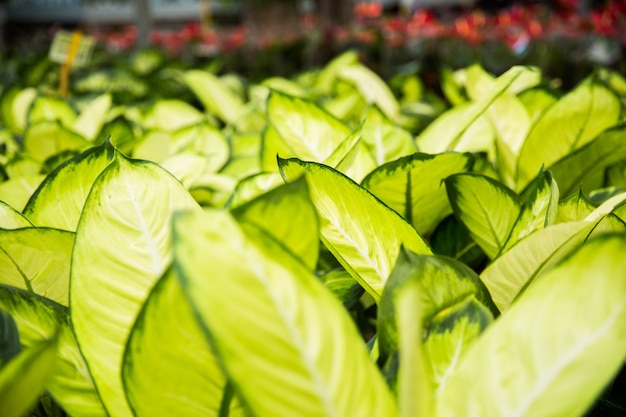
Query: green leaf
x: 92, y: 118
x: 444, y: 283
x: 413, y: 187
x: 307, y: 131
x: 9, y: 338
x: 188, y: 379
x: 384, y: 140
x: 449, y: 336
x: 538, y: 211
x: 287, y: 214
x: 59, y: 200
x: 353, y: 223
x: 372, y: 88
x: 556, y: 349
x: 253, y: 186
x: 38, y: 260
x: 343, y: 286
x: 48, y: 138
x: 486, y: 207
x: 11, y: 218
x: 415, y: 393
x: 23, y: 379
x: 214, y: 96
x: 48, y: 109
x: 15, y: 104
x: 574, y: 207
x: 284, y: 349
x: 171, y: 115
x: 574, y: 121
x: 536, y: 101
x: 16, y: 191
x: 122, y: 247
x: 452, y: 239
x: 593, y: 158
x: 38, y: 318
x: 203, y: 139
x: 327, y: 77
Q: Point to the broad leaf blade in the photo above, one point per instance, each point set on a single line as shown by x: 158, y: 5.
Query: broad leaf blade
x: 122, y: 247
x: 214, y: 96
x: 11, y: 218
x: 38, y: 260
x: 9, y: 338
x: 187, y: 379
x: 59, y: 200
x: 24, y: 378
x: 371, y: 87
x: 38, y: 318
x: 486, y: 207
x: 287, y: 214
x: 413, y: 186
x: 353, y: 223
x: 91, y: 120
x: 272, y: 348
x: 556, y: 349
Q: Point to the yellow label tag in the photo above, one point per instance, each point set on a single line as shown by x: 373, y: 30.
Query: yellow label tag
x: 72, y: 49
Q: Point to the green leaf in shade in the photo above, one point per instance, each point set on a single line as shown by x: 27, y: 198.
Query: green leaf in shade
x: 556, y: 349
x: 574, y: 121
x: 307, y: 131
x: 46, y: 139
x: 11, y: 218
x: 384, y: 140
x: 92, y: 118
x: 536, y: 101
x: 449, y: 336
x: 593, y: 158
x: 343, y: 286
x: 214, y: 96
x: 287, y: 214
x: 539, y: 209
x: 372, y: 88
x: 451, y: 88
x: 48, y: 109
x: 574, y: 207
x: 284, y: 349
x: 120, y: 132
x: 37, y: 259
x: 414, y: 390
x: 413, y: 186
x: 16, y: 191
x: 441, y: 135
x: 188, y: 379
x: 122, y: 247
x: 486, y: 207
x: 452, y: 239
x: 9, y: 338
x: 444, y: 283
x: 14, y: 106
x: 38, y: 318
x: 171, y: 115
x: 253, y: 186
x: 23, y: 379
x: 59, y: 200
x: 353, y: 223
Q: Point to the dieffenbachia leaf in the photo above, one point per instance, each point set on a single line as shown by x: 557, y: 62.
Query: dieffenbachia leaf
x: 46, y: 139
x: 11, y: 218
x: 305, y: 130
x: 536, y: 101
x: 284, y: 349
x: 171, y: 115
x: 431, y: 140
x: 557, y: 347
x: 17, y: 190
x: 122, y: 247
x: 214, y: 96
x: 486, y: 207
x: 353, y: 223
x: 287, y: 214
x: 413, y: 186
x: 593, y: 158
x: 574, y: 121
x: 59, y: 200
x: 384, y: 140
x: 9, y: 337
x: 37, y: 259
x: 38, y: 318
x: 574, y: 207
x: 23, y: 378
x: 188, y: 379
x: 48, y: 109
x: 204, y: 140
x: 91, y: 119
x: 327, y: 78
x: 253, y: 186
x: 444, y: 283
x: 372, y: 88
x: 510, y: 274
x: 343, y: 286
x: 15, y: 104
x: 539, y: 209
